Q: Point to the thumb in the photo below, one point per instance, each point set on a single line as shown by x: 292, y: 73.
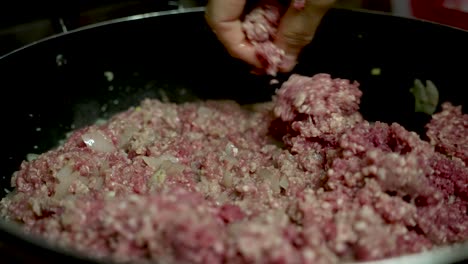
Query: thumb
x: 297, y: 29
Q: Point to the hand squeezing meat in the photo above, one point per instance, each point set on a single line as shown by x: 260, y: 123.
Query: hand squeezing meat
x: 260, y: 27
x: 271, y: 36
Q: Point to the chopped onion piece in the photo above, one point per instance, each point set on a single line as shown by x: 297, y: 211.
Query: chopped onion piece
x: 97, y: 141
x: 159, y: 176
x: 227, y: 180
x: 127, y: 135
x: 156, y: 162
x: 272, y: 177
x: 284, y: 183
x: 164, y: 165
x: 66, y: 177
x: 31, y: 156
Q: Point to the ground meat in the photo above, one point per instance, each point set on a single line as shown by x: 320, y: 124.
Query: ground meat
x: 301, y: 179
x: 260, y: 27
x: 318, y: 106
x: 447, y: 132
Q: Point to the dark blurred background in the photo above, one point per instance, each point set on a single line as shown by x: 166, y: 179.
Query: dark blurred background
x: 26, y: 21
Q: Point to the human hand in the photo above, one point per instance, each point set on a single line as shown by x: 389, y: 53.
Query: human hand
x: 296, y: 29
x: 224, y: 18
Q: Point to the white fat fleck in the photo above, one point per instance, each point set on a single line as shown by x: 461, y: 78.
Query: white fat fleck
x: 366, y: 211
x: 451, y: 199
x: 339, y: 202
x: 372, y: 155
x: 133, y: 223
x: 231, y: 149
x: 382, y: 173
x: 360, y: 225
x: 218, y: 247
x: 309, y: 254
x: 340, y: 247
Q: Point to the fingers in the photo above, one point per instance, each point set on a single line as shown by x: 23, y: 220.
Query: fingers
x: 223, y: 16
x: 297, y: 29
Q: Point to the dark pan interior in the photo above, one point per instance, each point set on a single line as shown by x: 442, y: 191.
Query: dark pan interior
x: 59, y: 84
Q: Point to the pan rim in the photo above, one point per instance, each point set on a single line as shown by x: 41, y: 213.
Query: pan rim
x: 105, y: 23
x: 189, y: 10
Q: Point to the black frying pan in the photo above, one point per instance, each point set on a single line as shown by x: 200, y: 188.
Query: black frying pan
x: 64, y: 82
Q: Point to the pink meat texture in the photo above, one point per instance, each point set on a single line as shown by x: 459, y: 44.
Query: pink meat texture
x: 447, y: 131
x: 260, y: 27
x: 301, y: 179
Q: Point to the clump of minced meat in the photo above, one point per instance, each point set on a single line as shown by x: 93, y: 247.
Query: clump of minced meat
x: 301, y: 179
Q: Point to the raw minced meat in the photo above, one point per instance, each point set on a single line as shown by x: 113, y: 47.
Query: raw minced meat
x: 301, y: 179
x: 447, y: 131
x: 260, y: 27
